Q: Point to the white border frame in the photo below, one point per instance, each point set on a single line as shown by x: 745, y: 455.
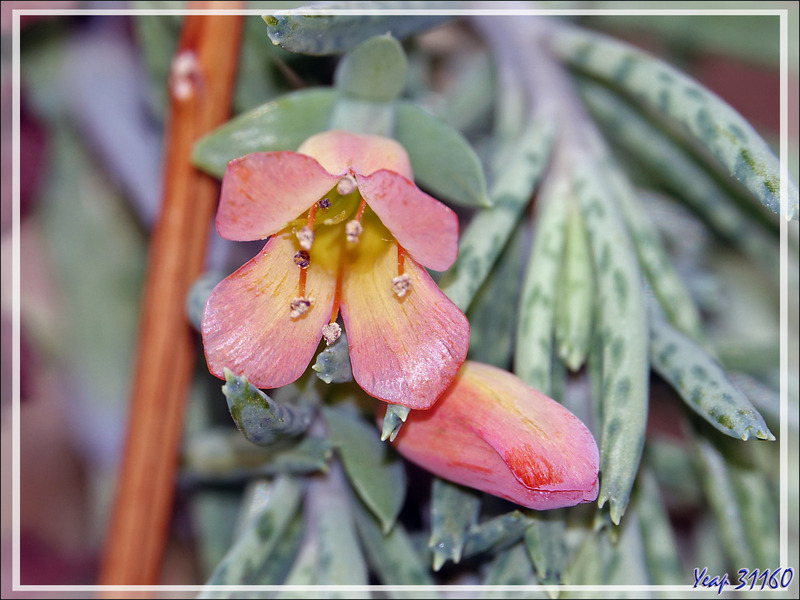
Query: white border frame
x: 784, y: 322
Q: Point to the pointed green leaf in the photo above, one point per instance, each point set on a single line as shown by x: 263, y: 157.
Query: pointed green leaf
x: 545, y: 542
x: 717, y: 484
x: 320, y: 34
x: 623, y: 330
x: 441, y: 158
x: 574, y: 298
x: 375, y: 70
x: 373, y: 469
x: 705, y: 117
x: 534, y: 341
x: 392, y: 556
x: 340, y: 560
x: 703, y: 384
x: 483, y: 241
x: 511, y: 567
x: 454, y: 509
x: 260, y: 419
x: 282, y: 124
x: 495, y: 533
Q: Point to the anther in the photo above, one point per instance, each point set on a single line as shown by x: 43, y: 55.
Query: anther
x: 353, y: 230
x: 299, y: 306
x: 347, y: 185
x: 302, y: 259
x: 325, y: 203
x: 331, y: 333
x: 306, y: 237
x: 401, y: 285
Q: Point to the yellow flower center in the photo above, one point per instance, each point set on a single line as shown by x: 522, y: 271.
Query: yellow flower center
x: 339, y: 232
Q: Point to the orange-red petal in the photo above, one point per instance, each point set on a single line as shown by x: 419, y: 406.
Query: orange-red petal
x: 342, y: 151
x: 424, y: 227
x: 246, y: 324
x: 262, y: 192
x: 492, y: 432
x: 403, y: 350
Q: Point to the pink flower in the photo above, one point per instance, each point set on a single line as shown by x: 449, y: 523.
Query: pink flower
x: 349, y: 231
x: 491, y: 432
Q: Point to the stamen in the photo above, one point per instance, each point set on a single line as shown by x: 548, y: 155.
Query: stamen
x: 347, y: 185
x: 324, y: 204
x: 298, y: 307
x: 353, y: 230
x: 306, y: 237
x: 302, y: 259
x: 401, y: 285
x: 361, y: 208
x: 331, y: 332
x: 337, y: 295
x: 401, y: 260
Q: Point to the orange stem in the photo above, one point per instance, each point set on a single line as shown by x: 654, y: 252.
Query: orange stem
x: 200, y: 92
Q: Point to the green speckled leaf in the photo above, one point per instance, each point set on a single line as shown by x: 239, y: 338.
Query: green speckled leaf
x: 653, y: 258
x: 340, y: 560
x: 282, y: 124
x: 717, y: 483
x: 703, y: 384
x: 272, y: 509
x: 374, y: 471
x: 392, y: 556
x: 703, y: 115
x: 534, y: 342
x: 483, y: 241
x: 454, y: 509
x: 623, y: 330
x: 667, y: 163
x: 321, y: 34
x: 660, y: 548
x: 443, y: 161
x: 574, y: 298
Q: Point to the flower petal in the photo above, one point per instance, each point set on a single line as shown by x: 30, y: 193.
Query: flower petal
x: 425, y: 227
x: 262, y: 192
x: 403, y: 350
x: 492, y: 432
x: 341, y: 151
x: 246, y: 324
